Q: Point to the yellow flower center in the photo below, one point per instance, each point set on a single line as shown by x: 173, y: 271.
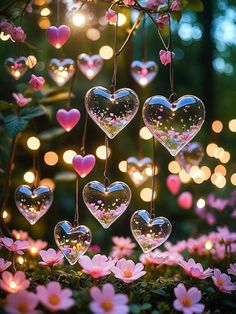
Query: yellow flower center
x: 187, y: 302
x: 128, y: 273
x: 54, y: 299
x: 220, y: 282
x: 23, y: 308
x: 107, y: 305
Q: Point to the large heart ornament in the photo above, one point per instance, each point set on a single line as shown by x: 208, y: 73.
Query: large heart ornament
x: 106, y: 204
x: 191, y: 155
x: 139, y: 170
x: 111, y: 111
x: 144, y: 72
x: 149, y: 233
x: 68, y: 119
x: 90, y: 66
x: 61, y: 70
x: 16, y: 67
x: 58, y: 36
x: 72, y: 241
x: 33, y: 203
x: 174, y: 124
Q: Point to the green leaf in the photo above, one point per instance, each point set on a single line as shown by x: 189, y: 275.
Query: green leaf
x: 160, y: 292
x: 5, y: 105
x: 176, y: 15
x: 135, y: 308
x: 195, y: 5
x: 146, y: 306
x: 13, y: 125
x: 31, y: 112
x: 59, y: 96
x: 51, y: 134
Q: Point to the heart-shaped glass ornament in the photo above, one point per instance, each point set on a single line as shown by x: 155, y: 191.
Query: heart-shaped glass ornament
x: 106, y: 204
x: 111, y: 111
x: 149, y: 232
x: 139, y: 170
x: 16, y: 67
x: 61, y: 71
x: 90, y: 66
x: 191, y: 155
x: 58, y: 36
x: 33, y: 203
x: 174, y: 124
x: 72, y: 241
x: 68, y: 119
x: 143, y: 72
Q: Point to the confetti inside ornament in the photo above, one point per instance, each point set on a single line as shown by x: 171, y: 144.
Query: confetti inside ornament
x: 191, y: 155
x: 174, y: 124
x: 106, y: 204
x: 61, y: 71
x: 83, y: 165
x: 33, y: 203
x: 72, y: 241
x: 16, y: 67
x: 144, y: 72
x: 139, y: 170
x: 58, y: 36
x: 68, y: 119
x: 149, y: 232
x: 90, y: 66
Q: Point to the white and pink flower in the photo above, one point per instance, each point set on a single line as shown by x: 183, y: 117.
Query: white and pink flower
x: 13, y: 283
x: 195, y: 270
x: 4, y: 264
x: 15, y: 246
x: 128, y: 271
x: 223, y: 281
x: 22, y: 302
x: 50, y: 257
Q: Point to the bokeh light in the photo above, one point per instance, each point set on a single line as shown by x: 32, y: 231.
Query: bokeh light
x: 51, y: 158
x: 68, y: 156
x: 122, y: 166
x: 106, y: 52
x: 101, y: 152
x: 217, y: 126
x: 146, y: 194
x: 33, y: 143
x: 145, y: 134
x: 29, y: 177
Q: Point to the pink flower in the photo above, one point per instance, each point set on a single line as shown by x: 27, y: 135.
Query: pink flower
x: 195, y: 270
x: 21, y: 100
x: 154, y: 258
x: 106, y: 301
x: 127, y: 270
x: 36, y: 245
x: 50, y: 257
x: 6, y: 27
x: 98, y: 266
x: 14, y: 283
x: 54, y: 298
x: 232, y: 269
x: 187, y: 300
x: 123, y: 247
x: 175, y: 5
x: 95, y: 248
x: 111, y: 16
x: 22, y: 302
x: 16, y: 247
x: 129, y: 2
x: 179, y: 247
x: 4, y: 264
x: 36, y: 82
x: 18, y: 34
x: 20, y: 235
x: 162, y: 20
x: 165, y: 56
x: 223, y: 281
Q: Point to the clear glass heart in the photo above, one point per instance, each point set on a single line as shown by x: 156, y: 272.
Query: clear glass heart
x: 106, y: 204
x: 139, y: 170
x: 90, y: 66
x: 16, y: 67
x: 144, y: 72
x: 111, y: 111
x: 33, y: 203
x: 72, y: 241
x: 174, y: 124
x: 61, y: 71
x: 149, y: 232
x: 191, y: 155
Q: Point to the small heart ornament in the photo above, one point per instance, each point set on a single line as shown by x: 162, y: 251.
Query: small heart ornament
x: 139, y: 170
x: 143, y: 72
x: 185, y: 200
x: 90, y: 66
x: 111, y: 111
x: 149, y: 232
x: 106, y: 204
x: 16, y: 67
x: 174, y: 124
x: 33, y: 203
x: 191, y: 155
x: 58, y: 36
x: 61, y: 70
x: 173, y: 184
x: 72, y: 241
x: 83, y: 165
x: 68, y: 119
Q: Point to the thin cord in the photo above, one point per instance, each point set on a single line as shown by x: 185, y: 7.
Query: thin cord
x: 115, y: 64
x: 58, y: 12
x: 152, y: 210
x: 35, y: 171
x: 76, y: 217
x: 170, y: 47
x: 145, y: 43
x: 82, y: 149
x: 106, y: 182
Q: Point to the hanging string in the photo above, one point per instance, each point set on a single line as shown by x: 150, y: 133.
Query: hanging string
x: 58, y: 12
x: 35, y: 171
x: 106, y: 181
x: 152, y: 210
x: 82, y: 149
x: 145, y: 39
x: 170, y: 47
x: 76, y: 217
x: 115, y: 64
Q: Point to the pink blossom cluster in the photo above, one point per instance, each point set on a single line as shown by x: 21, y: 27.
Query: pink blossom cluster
x: 16, y: 32
x: 123, y: 247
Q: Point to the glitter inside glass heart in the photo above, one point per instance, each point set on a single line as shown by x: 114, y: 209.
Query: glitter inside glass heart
x: 111, y: 111
x: 106, y: 204
x: 16, y: 67
x: 144, y: 72
x: 149, y: 233
x: 61, y: 70
x: 72, y: 241
x: 90, y: 66
x: 139, y: 170
x: 174, y: 124
x: 33, y: 203
x: 191, y: 155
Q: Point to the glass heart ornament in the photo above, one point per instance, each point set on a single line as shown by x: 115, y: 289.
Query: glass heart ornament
x: 58, y: 36
x: 106, y: 204
x: 16, y: 67
x: 174, y: 124
x: 33, y: 203
x: 144, y: 72
x: 90, y: 66
x: 139, y: 170
x: 61, y: 71
x: 68, y: 118
x: 149, y: 232
x: 111, y: 111
x: 191, y: 155
x: 73, y: 241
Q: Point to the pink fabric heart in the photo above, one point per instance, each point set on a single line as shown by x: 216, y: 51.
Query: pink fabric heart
x: 185, y: 200
x: 83, y: 165
x: 173, y: 184
x: 68, y: 119
x: 58, y: 36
